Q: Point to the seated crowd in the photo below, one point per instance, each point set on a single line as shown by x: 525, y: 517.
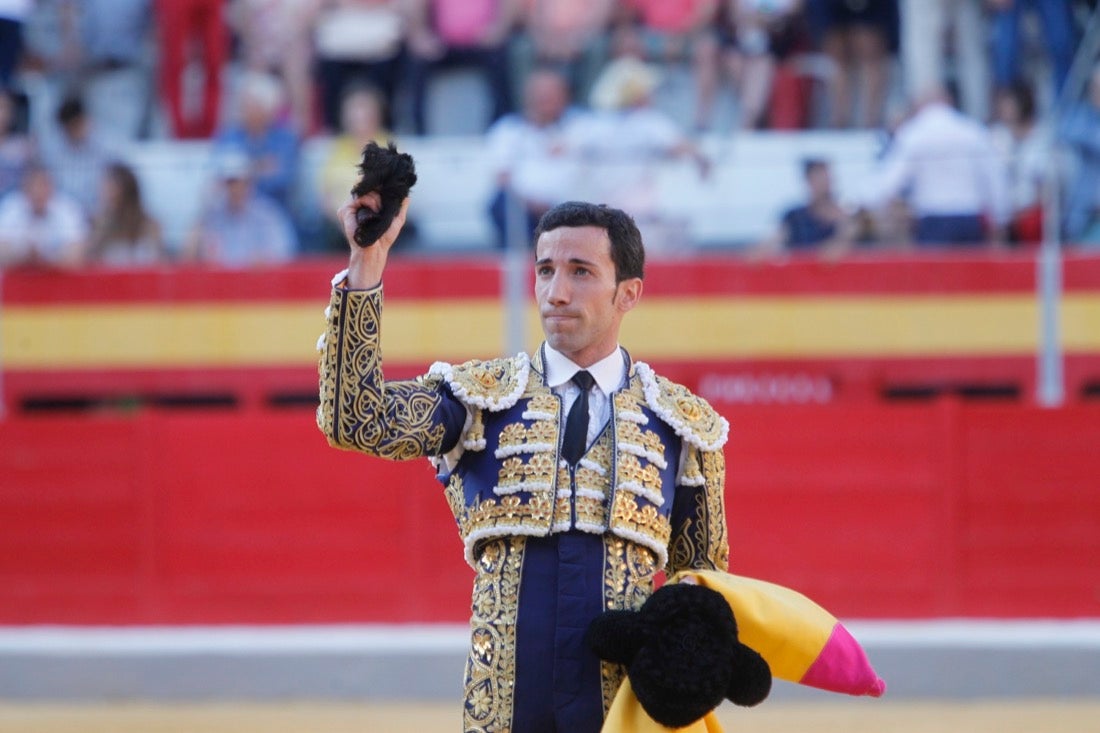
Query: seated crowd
x: 575, y: 107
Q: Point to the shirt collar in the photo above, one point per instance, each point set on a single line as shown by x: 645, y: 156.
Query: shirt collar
x: 608, y: 372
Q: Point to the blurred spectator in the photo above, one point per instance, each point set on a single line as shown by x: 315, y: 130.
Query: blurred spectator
x: 51, y: 60
x: 40, y: 225
x: 927, y: 53
x: 449, y: 33
x: 259, y: 129
x: 1024, y: 150
x: 569, y: 35
x: 858, y: 37
x: 240, y: 227
x: 194, y: 47
x: 945, y: 163
x: 1080, y: 131
x: 674, y: 31
x: 13, y: 15
x: 123, y: 232
x: 766, y: 35
x: 529, y: 157
x: 16, y: 145
x: 76, y: 155
x: 361, y: 116
x: 116, y: 65
x: 1059, y: 32
x: 357, y: 42
x: 621, y: 144
x: 821, y: 224
x: 275, y: 37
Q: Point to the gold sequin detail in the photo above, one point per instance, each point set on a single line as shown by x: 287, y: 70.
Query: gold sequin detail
x: 491, y: 664
x: 359, y: 410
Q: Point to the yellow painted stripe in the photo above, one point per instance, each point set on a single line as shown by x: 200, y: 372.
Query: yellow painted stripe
x: 283, y: 334
x: 275, y: 334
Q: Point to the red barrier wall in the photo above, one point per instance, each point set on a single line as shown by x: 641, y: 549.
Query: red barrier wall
x: 935, y: 509
x: 876, y: 507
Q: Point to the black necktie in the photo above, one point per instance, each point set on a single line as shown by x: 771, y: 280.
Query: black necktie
x: 576, y: 425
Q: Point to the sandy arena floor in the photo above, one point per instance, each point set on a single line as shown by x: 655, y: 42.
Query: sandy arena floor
x: 846, y: 716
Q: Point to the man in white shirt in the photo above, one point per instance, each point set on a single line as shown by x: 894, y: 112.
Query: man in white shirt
x: 945, y: 166
x: 575, y: 474
x: 241, y: 227
x: 529, y: 159
x: 40, y: 225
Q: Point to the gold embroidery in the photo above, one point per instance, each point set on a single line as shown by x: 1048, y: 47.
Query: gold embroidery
x: 509, y: 515
x: 651, y: 441
x: 489, y: 383
x: 701, y: 542
x: 455, y: 495
x: 591, y: 514
x: 359, y: 409
x: 491, y: 664
x: 544, y: 432
x: 628, y: 432
x: 475, y: 436
x: 611, y: 678
x: 690, y: 409
x: 643, y: 524
x: 513, y: 436
x: 717, y: 545
x: 484, y: 377
x: 693, y: 471
x: 544, y: 402
x: 629, y: 571
x: 677, y: 404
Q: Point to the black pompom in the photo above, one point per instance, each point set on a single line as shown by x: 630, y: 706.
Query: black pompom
x: 391, y: 174
x: 682, y: 654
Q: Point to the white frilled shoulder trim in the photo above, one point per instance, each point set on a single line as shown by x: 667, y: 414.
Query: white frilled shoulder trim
x: 493, y: 385
x: 693, y: 419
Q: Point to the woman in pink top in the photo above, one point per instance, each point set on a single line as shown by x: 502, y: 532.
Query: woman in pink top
x: 448, y: 33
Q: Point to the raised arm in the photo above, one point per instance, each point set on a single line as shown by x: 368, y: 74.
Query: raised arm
x: 359, y: 410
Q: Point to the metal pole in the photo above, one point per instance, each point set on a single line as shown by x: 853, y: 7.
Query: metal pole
x: 515, y: 274
x: 1050, y: 383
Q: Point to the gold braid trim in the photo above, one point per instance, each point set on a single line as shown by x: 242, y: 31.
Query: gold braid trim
x: 629, y: 571
x: 491, y: 666
x: 492, y: 385
x: 701, y: 541
x: 690, y: 416
x: 359, y: 410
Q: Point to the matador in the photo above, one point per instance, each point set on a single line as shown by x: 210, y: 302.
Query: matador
x: 564, y: 513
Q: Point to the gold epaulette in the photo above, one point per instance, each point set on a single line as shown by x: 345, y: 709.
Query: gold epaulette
x: 492, y: 385
x: 692, y: 417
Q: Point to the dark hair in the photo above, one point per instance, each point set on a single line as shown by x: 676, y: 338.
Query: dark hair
x: 128, y: 220
x: 71, y: 108
x: 1021, y: 93
x: 811, y: 164
x: 627, y: 250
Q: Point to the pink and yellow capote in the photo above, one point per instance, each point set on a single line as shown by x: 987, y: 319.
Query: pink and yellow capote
x: 800, y: 640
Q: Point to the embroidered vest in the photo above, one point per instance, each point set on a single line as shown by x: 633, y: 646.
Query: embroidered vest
x: 511, y: 480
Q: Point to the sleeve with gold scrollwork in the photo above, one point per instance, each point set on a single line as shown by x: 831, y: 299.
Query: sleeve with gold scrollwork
x: 699, y: 539
x: 359, y: 409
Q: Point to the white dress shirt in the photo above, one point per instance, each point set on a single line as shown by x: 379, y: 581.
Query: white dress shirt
x: 608, y: 373
x: 945, y: 164
x: 539, y: 167
x: 53, y: 235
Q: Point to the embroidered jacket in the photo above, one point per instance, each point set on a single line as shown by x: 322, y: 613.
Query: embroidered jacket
x: 654, y: 476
